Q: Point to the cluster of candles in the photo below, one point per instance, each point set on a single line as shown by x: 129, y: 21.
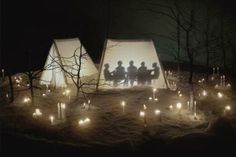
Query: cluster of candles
x: 142, y: 114
x: 67, y: 93
x: 201, y: 80
x: 154, y: 90
x: 180, y: 94
x: 85, y: 121
x: 215, y: 71
x: 18, y: 80
x: 26, y: 100
x: 86, y: 105
x: 168, y: 73
x: 37, y: 113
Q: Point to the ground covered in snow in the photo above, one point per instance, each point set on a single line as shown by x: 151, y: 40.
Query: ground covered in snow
x: 114, y: 130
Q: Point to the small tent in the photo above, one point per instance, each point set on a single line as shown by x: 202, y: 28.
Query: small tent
x: 63, y: 62
x: 128, y: 63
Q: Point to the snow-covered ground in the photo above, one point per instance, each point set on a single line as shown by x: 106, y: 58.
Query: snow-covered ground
x: 111, y: 125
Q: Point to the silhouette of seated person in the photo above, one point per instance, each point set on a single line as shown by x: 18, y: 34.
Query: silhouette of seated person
x: 142, y: 74
x: 156, y: 71
x: 131, y: 73
x: 107, y: 74
x: 119, y: 73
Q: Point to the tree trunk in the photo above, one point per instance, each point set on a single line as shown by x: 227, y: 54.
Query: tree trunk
x: 207, y: 55
x: 222, y: 43
x: 31, y: 87
x: 11, y: 88
x: 190, y: 56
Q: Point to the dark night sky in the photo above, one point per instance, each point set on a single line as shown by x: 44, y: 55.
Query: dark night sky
x: 28, y: 26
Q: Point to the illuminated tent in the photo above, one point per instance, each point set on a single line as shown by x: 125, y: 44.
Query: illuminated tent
x: 64, y: 56
x: 126, y: 52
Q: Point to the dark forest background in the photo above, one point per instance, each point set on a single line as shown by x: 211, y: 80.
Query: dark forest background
x: 28, y: 28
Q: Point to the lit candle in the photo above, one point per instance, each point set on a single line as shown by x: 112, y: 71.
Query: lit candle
x: 59, y: 110
x: 157, y: 113
x: 204, y: 93
x: 51, y: 118
x: 143, y: 115
x: 179, y: 106
x: 37, y: 113
x: 144, y: 107
x: 3, y: 74
x: 63, y: 113
x: 123, y: 106
x: 89, y: 103
x: 195, y: 110
x: 154, y: 93
x: 188, y: 105
x: 227, y: 109
x: 219, y: 95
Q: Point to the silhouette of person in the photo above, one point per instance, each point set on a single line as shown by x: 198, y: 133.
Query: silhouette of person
x: 119, y: 73
x: 107, y: 74
x: 131, y: 73
x: 142, y: 74
x: 156, y: 71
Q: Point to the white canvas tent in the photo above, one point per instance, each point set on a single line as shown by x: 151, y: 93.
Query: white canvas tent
x: 125, y: 51
x: 61, y: 56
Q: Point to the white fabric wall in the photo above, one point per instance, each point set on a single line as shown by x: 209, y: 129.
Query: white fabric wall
x: 62, y: 51
x: 127, y: 50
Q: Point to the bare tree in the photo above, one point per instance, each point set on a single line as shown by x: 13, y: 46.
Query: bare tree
x: 73, y: 69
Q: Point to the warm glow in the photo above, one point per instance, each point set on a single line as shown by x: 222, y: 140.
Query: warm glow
x: 123, y: 103
x: 219, y: 95
x: 142, y: 113
x: 150, y: 98
x: 204, y: 93
x: 63, y: 105
x: 171, y: 107
x: 26, y: 100
x: 89, y: 101
x: 228, y: 85
x: 84, y: 121
x: 156, y: 99
x: 43, y: 94
x: 37, y: 112
x: 154, y: 90
x: 227, y: 108
x: 179, y: 105
x: 144, y: 107
x: 51, y: 119
x: 157, y: 112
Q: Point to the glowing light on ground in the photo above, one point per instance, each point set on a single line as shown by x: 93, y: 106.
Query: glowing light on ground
x: 157, y: 112
x: 204, y: 93
x: 219, y: 95
x: 123, y: 105
x: 37, y: 113
x: 51, y: 118
x: 26, y: 100
x: 179, y: 106
x: 85, y: 121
